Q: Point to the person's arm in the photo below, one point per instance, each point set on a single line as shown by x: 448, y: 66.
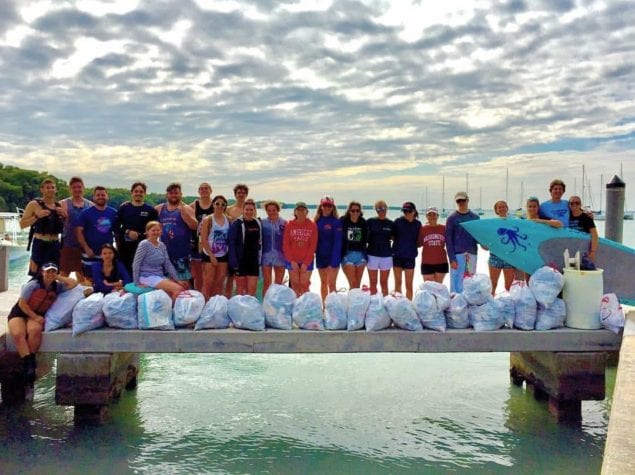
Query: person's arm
x: 68, y: 282
x: 99, y: 281
x: 595, y: 240
x: 32, y: 213
x: 554, y: 223
x: 338, y: 244
x: 188, y: 216
x: 312, y: 245
x: 124, y: 276
x: 167, y: 264
x: 206, y: 226
x: 79, y: 232
x: 449, y: 240
x: 286, y: 243
x: 29, y: 312
x: 138, y: 260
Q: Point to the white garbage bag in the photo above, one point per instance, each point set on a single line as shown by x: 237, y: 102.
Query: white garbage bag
x: 120, y: 310
x: 377, y: 317
x: 188, y: 307
x: 278, y: 306
x: 154, y: 311
x: 425, y: 305
x: 335, y: 305
x: 358, y: 302
x: 402, y: 312
x: 246, y: 312
x: 477, y: 289
x: 88, y: 314
x: 214, y: 314
x: 525, y: 305
x: 307, y: 312
x: 456, y: 315
x: 546, y: 283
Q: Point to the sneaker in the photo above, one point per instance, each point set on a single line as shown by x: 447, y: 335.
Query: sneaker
x: 29, y: 392
x: 88, y: 292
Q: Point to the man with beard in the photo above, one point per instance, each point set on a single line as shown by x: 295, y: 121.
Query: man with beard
x: 132, y: 217
x: 178, y: 221
x: 46, y: 218
x: 71, y: 255
x: 96, y: 227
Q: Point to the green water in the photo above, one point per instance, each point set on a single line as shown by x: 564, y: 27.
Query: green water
x: 386, y: 413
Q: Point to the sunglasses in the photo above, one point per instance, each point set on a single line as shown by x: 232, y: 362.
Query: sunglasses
x: 379, y: 210
x: 327, y: 205
x: 461, y: 200
x: 408, y: 210
x: 356, y: 211
x: 220, y: 204
x: 575, y: 202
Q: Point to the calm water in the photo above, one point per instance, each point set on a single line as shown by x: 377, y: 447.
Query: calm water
x: 366, y: 413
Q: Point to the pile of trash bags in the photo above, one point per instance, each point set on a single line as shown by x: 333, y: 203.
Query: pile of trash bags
x: 527, y: 306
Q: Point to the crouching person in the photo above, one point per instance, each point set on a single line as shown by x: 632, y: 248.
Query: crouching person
x: 26, y: 318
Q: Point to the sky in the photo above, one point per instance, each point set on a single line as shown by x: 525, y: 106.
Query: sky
x: 358, y: 99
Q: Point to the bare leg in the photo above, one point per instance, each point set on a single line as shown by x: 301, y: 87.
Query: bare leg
x: 409, y: 276
x: 229, y: 286
x: 372, y: 276
x: 398, y: 275
x: 34, y: 335
x: 439, y: 276
x: 324, y: 283
x: 241, y: 285
x: 252, y: 285
x: 349, y: 272
x: 332, y: 278
x: 219, y: 278
x: 383, y: 281
x: 17, y: 329
x: 494, y: 274
x: 278, y: 274
x: 305, y: 280
x: 509, y: 274
x: 172, y: 288
x: 267, y: 272
x: 196, y: 268
x: 359, y: 273
x: 428, y: 277
x: 294, y: 280
x: 209, y: 274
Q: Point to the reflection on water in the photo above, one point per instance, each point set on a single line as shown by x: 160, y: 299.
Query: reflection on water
x: 384, y: 413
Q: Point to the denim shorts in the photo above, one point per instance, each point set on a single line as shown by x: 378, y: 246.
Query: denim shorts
x: 497, y: 263
x: 309, y: 268
x: 354, y: 258
x: 273, y: 259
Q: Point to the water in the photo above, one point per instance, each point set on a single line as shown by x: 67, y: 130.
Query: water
x: 362, y: 413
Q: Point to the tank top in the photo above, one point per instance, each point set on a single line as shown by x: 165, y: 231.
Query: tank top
x: 176, y: 234
x: 69, y: 237
x: 218, y: 237
x: 200, y: 213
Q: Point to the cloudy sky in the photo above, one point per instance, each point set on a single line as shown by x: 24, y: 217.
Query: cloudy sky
x: 359, y: 99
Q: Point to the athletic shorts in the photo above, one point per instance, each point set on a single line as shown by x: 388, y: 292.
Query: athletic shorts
x: 497, y: 263
x: 427, y: 269
x: 224, y: 258
x: 70, y: 259
x: 248, y: 269
x: 182, y: 267
x: 379, y: 263
x: 151, y: 280
x: 323, y: 262
x: 404, y: 262
x: 309, y: 268
x: 273, y: 259
x: 354, y: 258
x: 45, y: 251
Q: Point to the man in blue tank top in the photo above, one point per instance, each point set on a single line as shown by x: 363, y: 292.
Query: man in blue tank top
x: 71, y: 254
x: 178, y: 220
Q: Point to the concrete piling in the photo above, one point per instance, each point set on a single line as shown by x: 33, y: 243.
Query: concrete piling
x: 615, y: 195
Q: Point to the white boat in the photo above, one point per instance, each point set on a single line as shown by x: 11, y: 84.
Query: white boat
x: 12, y: 237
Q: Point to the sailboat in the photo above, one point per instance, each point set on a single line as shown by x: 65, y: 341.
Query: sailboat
x: 598, y: 215
x: 444, y: 212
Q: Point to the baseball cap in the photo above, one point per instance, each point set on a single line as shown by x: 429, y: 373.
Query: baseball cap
x: 300, y: 204
x: 432, y: 209
x: 461, y: 195
x: 49, y: 266
x: 327, y: 200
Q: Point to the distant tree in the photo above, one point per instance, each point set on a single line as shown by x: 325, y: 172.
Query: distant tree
x: 18, y: 186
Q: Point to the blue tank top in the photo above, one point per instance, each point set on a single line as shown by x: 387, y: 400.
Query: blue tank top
x: 176, y: 234
x: 68, y: 235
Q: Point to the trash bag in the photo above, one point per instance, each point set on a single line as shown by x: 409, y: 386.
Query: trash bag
x: 60, y: 314
x: 525, y: 305
x: 278, y: 306
x: 402, y: 312
x: 507, y: 308
x: 425, y: 305
x: 188, y: 307
x: 214, y: 314
x: 546, y: 283
x: 358, y: 302
x: 120, y: 310
x: 88, y: 314
x: 377, y: 317
x: 552, y: 316
x: 486, y: 317
x: 611, y: 313
x: 335, y: 317
x: 440, y: 291
x: 246, y: 312
x: 154, y: 311
x: 456, y: 315
x: 477, y: 289
x: 307, y: 312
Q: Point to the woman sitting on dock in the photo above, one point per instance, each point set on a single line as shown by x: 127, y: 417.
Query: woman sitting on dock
x: 151, y: 266
x: 26, y: 318
x: 110, y: 274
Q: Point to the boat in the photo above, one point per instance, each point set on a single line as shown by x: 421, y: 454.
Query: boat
x: 11, y: 236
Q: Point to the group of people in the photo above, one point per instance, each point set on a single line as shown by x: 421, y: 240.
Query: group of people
x: 211, y: 246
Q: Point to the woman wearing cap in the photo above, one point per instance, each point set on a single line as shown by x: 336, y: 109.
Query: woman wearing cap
x: 26, y: 318
x: 298, y: 245
x: 152, y: 267
x: 404, y: 249
x: 245, y: 249
x: 110, y: 274
x: 215, y: 248
x: 496, y: 264
x: 273, y: 263
x: 434, y: 258
x: 355, y: 234
x: 328, y: 254
x: 460, y: 244
x: 379, y: 248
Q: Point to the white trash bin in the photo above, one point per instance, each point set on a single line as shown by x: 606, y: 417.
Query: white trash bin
x: 582, y: 294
